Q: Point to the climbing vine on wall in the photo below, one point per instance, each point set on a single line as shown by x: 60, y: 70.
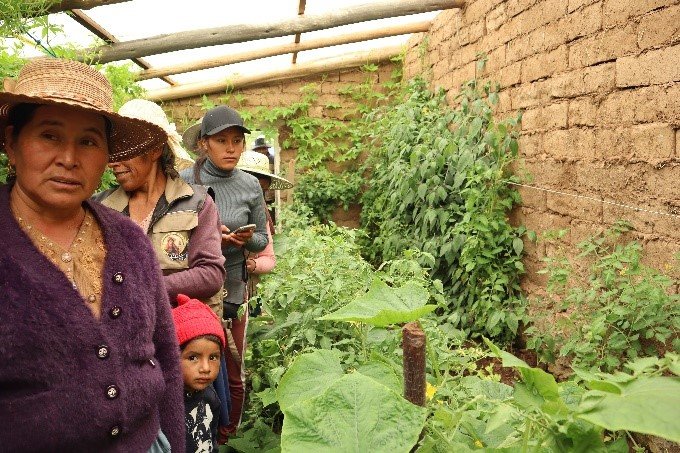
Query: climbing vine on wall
x: 439, y: 183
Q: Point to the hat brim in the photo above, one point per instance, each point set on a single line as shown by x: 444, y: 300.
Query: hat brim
x: 130, y: 137
x: 191, y: 135
x: 278, y: 183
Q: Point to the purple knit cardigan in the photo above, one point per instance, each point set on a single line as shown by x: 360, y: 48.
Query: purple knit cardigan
x: 69, y: 382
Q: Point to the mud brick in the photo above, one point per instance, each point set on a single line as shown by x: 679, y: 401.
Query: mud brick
x: 662, y: 182
x: 577, y: 208
x: 476, y: 31
x: 660, y: 254
x: 640, y: 221
x: 584, y: 22
x: 526, y: 95
x: 531, y: 145
x: 478, y: 9
x: 510, y: 75
x: 553, y: 116
x: 666, y: 225
x: 660, y: 27
x: 495, y: 60
x: 459, y: 76
x: 576, y: 4
x: 518, y: 49
x: 570, y: 144
x: 603, y: 46
x: 504, y: 102
x: 548, y: 173
x: 542, y: 13
x: 533, y: 198
x: 514, y: 7
x: 582, y: 112
x: 620, y: 11
x: 440, y: 68
x: 495, y: 18
x: 652, y: 142
x: 652, y: 68
x: 545, y: 64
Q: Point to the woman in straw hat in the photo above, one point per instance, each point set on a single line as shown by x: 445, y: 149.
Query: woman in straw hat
x: 257, y: 164
x: 239, y: 201
x: 88, y: 356
x: 180, y: 219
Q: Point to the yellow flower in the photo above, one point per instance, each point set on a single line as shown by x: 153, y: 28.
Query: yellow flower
x: 478, y: 443
x: 430, y: 390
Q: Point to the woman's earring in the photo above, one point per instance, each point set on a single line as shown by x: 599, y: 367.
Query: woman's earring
x: 11, y: 172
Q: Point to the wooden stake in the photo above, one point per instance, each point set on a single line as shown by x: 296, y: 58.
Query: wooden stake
x: 283, y: 49
x: 413, y: 345
x: 378, y: 9
x: 299, y: 70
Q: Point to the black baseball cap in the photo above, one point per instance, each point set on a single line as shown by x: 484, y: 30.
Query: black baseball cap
x: 220, y: 118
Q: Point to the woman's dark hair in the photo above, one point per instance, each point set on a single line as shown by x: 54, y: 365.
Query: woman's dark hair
x: 209, y: 337
x: 167, y: 162
x: 19, y: 116
x: 22, y: 114
x: 200, y: 162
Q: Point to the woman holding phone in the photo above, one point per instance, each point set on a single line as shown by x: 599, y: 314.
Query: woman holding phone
x: 244, y: 229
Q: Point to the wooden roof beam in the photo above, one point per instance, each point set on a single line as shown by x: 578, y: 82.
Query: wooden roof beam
x: 379, y: 9
x: 66, y: 5
x: 301, y: 10
x: 299, y: 70
x: 196, y: 65
x: 99, y: 31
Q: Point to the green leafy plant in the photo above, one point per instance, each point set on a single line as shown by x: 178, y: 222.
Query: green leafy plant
x: 439, y: 183
x: 322, y: 191
x: 617, y: 310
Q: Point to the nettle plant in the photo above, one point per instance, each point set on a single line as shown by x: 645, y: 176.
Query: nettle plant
x: 440, y: 183
x: 616, y: 308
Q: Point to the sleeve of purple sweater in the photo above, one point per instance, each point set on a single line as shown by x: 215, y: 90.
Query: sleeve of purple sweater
x: 205, y: 275
x: 171, y: 408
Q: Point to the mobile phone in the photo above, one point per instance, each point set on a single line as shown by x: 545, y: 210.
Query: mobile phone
x: 243, y: 228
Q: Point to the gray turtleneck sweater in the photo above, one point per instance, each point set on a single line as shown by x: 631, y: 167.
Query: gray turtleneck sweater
x: 239, y: 201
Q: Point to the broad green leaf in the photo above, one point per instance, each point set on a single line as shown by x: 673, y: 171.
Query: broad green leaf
x: 383, y: 373
x: 645, y: 405
x: 308, y: 376
x: 267, y: 396
x: 518, y: 245
x: 383, y: 305
x: 356, y: 414
x: 502, y: 416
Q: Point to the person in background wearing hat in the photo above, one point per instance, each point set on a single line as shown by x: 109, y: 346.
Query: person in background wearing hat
x: 201, y: 341
x: 239, y: 201
x: 180, y: 219
x: 89, y: 358
x: 263, y: 262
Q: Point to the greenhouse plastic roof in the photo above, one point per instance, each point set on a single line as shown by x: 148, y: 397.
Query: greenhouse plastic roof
x: 138, y: 19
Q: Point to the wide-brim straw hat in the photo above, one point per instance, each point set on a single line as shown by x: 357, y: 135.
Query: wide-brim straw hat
x: 191, y: 136
x: 54, y: 81
x: 258, y: 163
x: 152, y: 112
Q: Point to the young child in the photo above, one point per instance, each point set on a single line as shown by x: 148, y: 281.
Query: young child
x: 201, y: 341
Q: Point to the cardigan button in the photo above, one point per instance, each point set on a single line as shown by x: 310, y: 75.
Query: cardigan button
x: 103, y: 351
x: 115, y: 431
x: 115, y: 312
x: 118, y: 278
x: 112, y: 392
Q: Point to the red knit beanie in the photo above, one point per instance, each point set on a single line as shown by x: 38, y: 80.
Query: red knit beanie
x: 193, y: 318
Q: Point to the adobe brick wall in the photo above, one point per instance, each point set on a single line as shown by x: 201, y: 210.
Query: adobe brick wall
x: 282, y: 94
x: 599, y: 84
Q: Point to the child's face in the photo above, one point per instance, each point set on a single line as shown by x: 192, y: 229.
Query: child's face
x: 200, y: 363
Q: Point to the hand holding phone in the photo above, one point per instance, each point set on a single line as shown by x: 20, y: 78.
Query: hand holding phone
x: 243, y: 228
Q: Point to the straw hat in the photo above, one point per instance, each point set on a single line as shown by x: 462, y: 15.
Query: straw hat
x: 56, y: 81
x: 152, y: 112
x: 254, y: 162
